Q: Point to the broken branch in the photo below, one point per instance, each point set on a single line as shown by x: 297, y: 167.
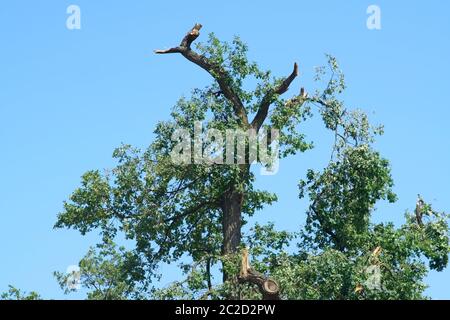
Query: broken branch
x: 215, y: 70
x: 269, y: 288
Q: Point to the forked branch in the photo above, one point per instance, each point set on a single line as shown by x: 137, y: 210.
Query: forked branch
x: 217, y: 71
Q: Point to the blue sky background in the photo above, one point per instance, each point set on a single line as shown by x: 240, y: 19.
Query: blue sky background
x: 68, y: 98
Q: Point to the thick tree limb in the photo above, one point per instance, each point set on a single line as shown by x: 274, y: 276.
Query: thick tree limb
x: 215, y: 70
x: 269, y: 288
x: 269, y: 98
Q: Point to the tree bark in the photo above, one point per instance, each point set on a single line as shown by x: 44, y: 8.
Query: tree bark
x: 231, y: 224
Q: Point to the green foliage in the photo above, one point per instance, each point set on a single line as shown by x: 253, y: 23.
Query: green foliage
x: 108, y: 273
x: 16, y: 294
x: 171, y: 213
x: 343, y: 196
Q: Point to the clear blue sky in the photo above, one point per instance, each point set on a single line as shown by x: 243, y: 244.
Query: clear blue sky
x: 68, y: 98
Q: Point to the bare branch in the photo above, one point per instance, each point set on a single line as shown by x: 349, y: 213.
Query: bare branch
x: 185, y: 43
x: 215, y: 70
x: 269, y: 98
x: 284, y: 86
x: 171, y: 50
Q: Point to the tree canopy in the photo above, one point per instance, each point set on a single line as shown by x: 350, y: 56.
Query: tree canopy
x: 192, y: 213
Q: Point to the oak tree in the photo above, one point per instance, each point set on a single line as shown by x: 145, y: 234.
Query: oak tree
x: 193, y: 214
